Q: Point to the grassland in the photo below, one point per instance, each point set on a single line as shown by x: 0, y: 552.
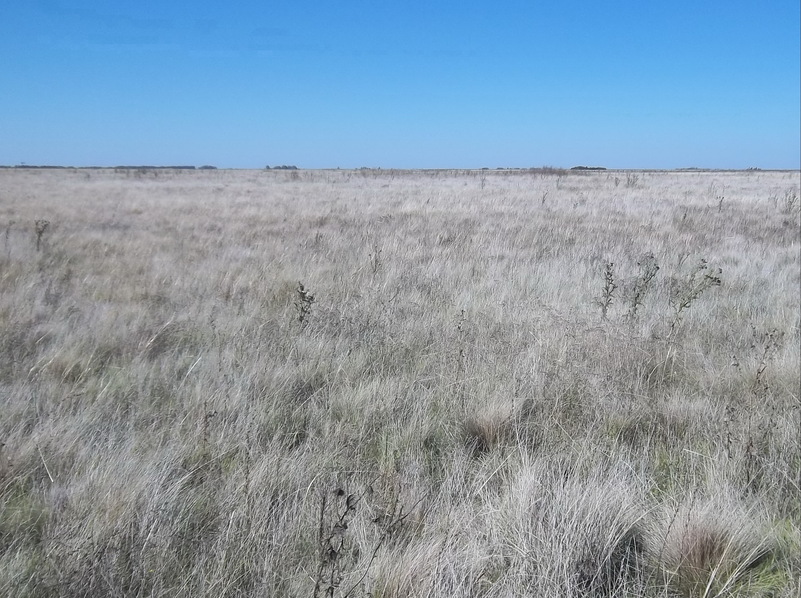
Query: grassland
x: 399, y: 384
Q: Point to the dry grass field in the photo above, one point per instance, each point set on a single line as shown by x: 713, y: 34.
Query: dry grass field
x: 399, y: 384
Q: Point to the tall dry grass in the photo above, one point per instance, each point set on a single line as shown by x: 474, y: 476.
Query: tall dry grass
x: 387, y: 383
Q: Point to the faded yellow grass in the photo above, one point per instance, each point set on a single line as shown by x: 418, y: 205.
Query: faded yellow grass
x: 450, y: 414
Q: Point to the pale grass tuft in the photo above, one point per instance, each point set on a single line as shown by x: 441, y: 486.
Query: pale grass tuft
x: 714, y: 547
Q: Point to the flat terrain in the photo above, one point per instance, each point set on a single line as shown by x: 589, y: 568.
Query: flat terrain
x: 392, y: 384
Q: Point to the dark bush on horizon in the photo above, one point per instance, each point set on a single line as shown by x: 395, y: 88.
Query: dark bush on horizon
x: 553, y: 170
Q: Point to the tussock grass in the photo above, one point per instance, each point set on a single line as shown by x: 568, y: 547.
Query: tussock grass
x: 396, y: 384
x: 717, y: 548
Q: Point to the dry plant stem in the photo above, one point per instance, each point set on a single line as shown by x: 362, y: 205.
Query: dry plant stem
x: 687, y: 291
x: 40, y: 226
x: 303, y: 303
x: 44, y: 463
x: 608, y: 291
x: 648, y: 269
x: 9, y: 226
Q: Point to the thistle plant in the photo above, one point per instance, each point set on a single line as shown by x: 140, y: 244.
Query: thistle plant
x: 338, y: 549
x: 648, y: 269
x: 608, y: 290
x: 720, y: 197
x: 303, y: 302
x: 332, y: 540
x: 41, y: 226
x: 684, y: 292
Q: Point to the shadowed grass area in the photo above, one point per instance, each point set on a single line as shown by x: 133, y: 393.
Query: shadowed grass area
x: 397, y: 384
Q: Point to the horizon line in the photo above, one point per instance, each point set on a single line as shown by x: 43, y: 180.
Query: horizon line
x: 538, y: 169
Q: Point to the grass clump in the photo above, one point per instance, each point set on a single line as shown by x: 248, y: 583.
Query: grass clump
x: 718, y: 549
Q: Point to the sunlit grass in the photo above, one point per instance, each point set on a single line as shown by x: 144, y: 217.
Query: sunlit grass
x: 338, y: 383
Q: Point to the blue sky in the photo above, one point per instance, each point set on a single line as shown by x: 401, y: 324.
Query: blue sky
x: 621, y: 84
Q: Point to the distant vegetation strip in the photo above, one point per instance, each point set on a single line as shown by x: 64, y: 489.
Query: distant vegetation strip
x: 538, y: 170
x: 45, y: 166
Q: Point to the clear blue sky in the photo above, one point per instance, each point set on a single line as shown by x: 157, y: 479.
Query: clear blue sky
x: 621, y: 84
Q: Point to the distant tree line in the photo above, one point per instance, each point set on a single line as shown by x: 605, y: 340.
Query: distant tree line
x: 158, y: 167
x: 114, y: 167
x: 35, y: 166
x: 283, y: 167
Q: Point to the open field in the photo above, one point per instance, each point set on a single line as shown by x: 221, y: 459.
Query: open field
x: 399, y: 384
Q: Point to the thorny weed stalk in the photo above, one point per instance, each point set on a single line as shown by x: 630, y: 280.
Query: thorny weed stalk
x: 375, y: 259
x: 8, y: 232
x: 41, y: 226
x: 729, y: 421
x: 684, y: 292
x: 767, y: 343
x: 720, y: 196
x: 337, y: 551
x: 332, y: 540
x: 632, y: 180
x: 460, y: 356
x: 648, y: 269
x: 208, y: 415
x: 303, y: 303
x: 608, y: 290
